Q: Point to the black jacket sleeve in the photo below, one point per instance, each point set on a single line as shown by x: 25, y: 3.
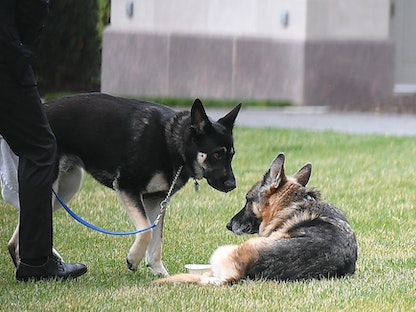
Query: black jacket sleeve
x: 30, y: 18
x: 21, y: 22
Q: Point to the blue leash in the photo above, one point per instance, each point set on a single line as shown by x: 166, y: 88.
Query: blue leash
x: 163, y: 206
x: 96, y: 228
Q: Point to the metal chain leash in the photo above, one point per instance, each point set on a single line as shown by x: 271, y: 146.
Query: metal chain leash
x: 165, y: 203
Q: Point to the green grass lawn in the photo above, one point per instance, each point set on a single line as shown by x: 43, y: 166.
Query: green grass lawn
x: 372, y: 178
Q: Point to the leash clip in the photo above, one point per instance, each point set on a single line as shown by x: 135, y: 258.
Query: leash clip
x: 163, y: 205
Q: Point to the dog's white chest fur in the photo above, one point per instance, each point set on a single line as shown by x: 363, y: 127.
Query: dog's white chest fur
x: 157, y: 183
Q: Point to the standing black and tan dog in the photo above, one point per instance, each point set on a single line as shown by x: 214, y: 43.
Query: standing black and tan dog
x: 137, y: 148
x: 301, y: 237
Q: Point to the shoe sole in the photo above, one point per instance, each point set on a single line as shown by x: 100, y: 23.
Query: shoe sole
x: 52, y: 278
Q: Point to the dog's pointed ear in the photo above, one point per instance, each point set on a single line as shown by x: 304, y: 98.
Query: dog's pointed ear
x: 303, y: 175
x: 275, y: 176
x: 199, y: 119
x: 229, y: 119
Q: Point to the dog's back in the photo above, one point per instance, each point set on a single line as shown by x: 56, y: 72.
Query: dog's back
x: 316, y: 242
x: 105, y: 131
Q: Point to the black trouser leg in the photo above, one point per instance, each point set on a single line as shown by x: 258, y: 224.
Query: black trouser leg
x: 24, y: 126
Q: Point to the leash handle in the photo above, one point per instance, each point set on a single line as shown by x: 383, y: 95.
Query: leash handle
x: 96, y: 228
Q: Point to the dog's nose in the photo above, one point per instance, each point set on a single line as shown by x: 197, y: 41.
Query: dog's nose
x: 230, y: 184
x: 229, y: 227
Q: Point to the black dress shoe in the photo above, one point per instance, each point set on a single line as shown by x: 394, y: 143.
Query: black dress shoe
x: 53, y: 268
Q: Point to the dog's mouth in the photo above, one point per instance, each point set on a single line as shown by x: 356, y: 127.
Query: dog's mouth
x: 240, y: 229
x: 223, y: 186
x: 244, y: 222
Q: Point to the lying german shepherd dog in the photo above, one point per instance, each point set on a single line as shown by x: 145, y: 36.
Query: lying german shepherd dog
x: 300, y: 236
x: 137, y: 148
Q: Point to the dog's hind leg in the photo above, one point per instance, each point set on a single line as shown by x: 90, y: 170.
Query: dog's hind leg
x: 13, y: 246
x: 137, y: 214
x: 67, y: 185
x: 154, y: 251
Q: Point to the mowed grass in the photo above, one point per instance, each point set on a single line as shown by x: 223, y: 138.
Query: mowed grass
x: 372, y: 178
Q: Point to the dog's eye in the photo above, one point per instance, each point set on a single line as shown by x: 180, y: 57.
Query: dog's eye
x: 219, y: 154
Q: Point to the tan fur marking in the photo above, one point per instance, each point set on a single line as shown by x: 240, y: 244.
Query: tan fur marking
x: 277, y: 208
x: 201, y: 157
x: 138, y: 249
x: 199, y: 165
x: 244, y: 256
x: 180, y: 278
x: 223, y: 264
x: 157, y: 184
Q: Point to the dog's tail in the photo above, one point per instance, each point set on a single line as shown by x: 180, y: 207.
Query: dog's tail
x: 181, y: 278
x: 206, y: 278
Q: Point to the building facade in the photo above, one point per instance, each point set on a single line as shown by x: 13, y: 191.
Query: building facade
x: 308, y: 52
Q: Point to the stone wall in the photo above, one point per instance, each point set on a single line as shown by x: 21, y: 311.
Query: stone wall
x: 309, y: 52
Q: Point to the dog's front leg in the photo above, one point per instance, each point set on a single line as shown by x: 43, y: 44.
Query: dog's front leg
x: 135, y: 210
x: 154, y: 251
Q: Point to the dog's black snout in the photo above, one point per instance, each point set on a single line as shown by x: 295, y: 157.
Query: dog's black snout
x: 230, y: 184
x: 222, y: 185
x: 229, y: 226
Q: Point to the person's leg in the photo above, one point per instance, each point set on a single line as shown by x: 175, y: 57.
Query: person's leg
x: 24, y: 126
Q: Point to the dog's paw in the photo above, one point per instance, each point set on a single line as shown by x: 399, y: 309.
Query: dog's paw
x: 158, y: 270
x: 14, y: 253
x: 205, y: 280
